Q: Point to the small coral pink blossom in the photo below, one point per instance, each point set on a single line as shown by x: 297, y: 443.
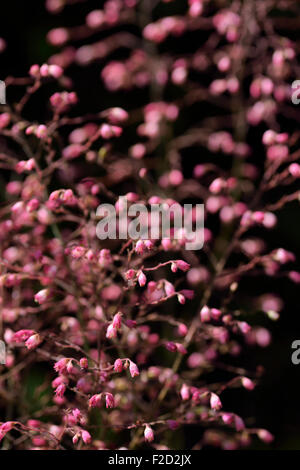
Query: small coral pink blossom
x: 95, y: 401
x: 117, y: 321
x: 118, y: 365
x: 42, y: 296
x: 265, y: 435
x: 142, y: 279
x: 109, y: 400
x: 133, y: 369
x: 215, y: 402
x: 185, y: 392
x: 111, y: 332
x: 148, y: 434
x: 33, y: 341
x: 247, y: 383
x: 86, y: 437
x: 84, y: 363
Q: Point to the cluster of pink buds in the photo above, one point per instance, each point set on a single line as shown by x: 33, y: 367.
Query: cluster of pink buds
x: 25, y: 165
x: 62, y: 101
x: 46, y: 70
x: 31, y: 339
x: 117, y: 337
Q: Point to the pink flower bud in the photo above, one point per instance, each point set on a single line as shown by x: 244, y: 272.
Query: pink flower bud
x: 111, y: 332
x: 138, y: 151
x: 95, y: 19
x: 44, y: 70
x: 170, y: 346
x: 95, y: 401
x: 179, y: 264
x: 109, y: 400
x: 61, y: 365
x: 60, y: 390
x: 182, y: 329
x: 216, y: 186
x: 247, y: 383
x: 169, y: 288
x: 33, y: 341
x: 294, y: 276
x: 142, y: 279
x: 148, y: 433
x: 118, y: 365
x: 5, y: 428
x: 84, y: 364
x: 215, y: 402
x: 41, y: 131
x: 133, y: 369
x: 42, y: 296
x: 117, y: 321
x: 269, y: 137
x: 86, y: 437
x: 215, y: 313
x: 166, y: 244
x: 180, y: 348
x: 77, y: 414
x: 205, y: 314
x: 181, y: 299
x: 130, y: 274
x: 258, y: 217
x: 4, y: 120
x: 294, y: 170
x: 244, y: 327
x: 117, y: 115
x: 72, y: 151
x: 56, y: 71
x: 58, y: 36
x: 34, y: 71
x: 140, y: 247
x: 277, y: 152
x: 175, y: 177
x: 185, y: 392
x: 32, y: 205
x: 265, y: 436
x: 283, y: 256
x: 227, y: 418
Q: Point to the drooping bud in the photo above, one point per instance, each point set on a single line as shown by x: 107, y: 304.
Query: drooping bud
x: 109, y: 400
x: 33, y: 341
x: 117, y: 321
x: 84, y: 363
x: 95, y: 401
x: 86, y: 437
x: 111, y: 332
x: 215, y: 402
x: 118, y: 365
x: 142, y: 279
x: 247, y: 383
x: 185, y: 392
x: 149, y: 434
x: 133, y: 369
x: 42, y: 296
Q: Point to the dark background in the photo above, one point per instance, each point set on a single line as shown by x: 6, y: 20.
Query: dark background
x: 275, y: 403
